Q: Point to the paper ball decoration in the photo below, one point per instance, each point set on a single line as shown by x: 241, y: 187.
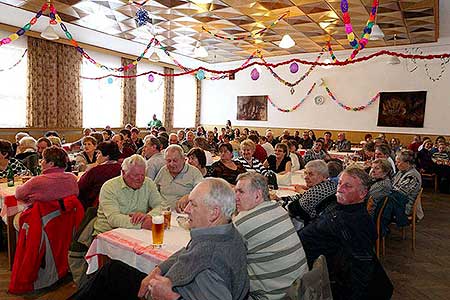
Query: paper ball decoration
x: 254, y: 74
x: 151, y: 78
x: 141, y: 17
x: 110, y: 80
x: 293, y: 68
x: 200, y: 75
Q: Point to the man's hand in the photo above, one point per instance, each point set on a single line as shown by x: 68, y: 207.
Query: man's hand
x: 143, y: 291
x: 182, y: 203
x: 300, y: 188
x: 137, y: 218
x: 147, y: 224
x: 161, y: 289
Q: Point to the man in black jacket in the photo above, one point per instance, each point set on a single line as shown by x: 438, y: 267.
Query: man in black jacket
x: 346, y: 236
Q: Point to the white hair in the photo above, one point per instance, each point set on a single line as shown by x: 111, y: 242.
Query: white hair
x: 174, y: 148
x: 27, y: 142
x: 220, y: 194
x: 319, y: 166
x: 133, y: 160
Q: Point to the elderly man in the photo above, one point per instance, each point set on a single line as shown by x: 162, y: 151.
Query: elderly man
x: 177, y: 178
x: 125, y: 200
x: 275, y: 257
x: 342, y: 145
x: 316, y: 152
x: 345, y: 236
x: 188, y: 143
x: 155, y: 159
x: 173, y: 139
x: 213, y: 266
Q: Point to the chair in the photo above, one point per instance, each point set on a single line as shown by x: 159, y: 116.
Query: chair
x: 432, y: 177
x: 380, y: 239
x: 315, y: 284
x: 413, y: 220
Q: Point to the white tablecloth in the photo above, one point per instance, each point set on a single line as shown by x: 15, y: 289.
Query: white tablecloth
x: 133, y: 247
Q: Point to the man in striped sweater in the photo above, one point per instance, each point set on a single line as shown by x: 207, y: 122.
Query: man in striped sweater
x: 275, y: 256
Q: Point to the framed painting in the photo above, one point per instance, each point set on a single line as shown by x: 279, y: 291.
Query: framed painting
x: 252, y: 108
x: 402, y: 109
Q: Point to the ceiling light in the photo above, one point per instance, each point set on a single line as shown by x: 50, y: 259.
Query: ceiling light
x: 200, y: 51
x: 49, y: 33
x: 286, y: 42
x: 394, y: 60
x: 154, y: 57
x: 377, y: 33
x: 327, y: 61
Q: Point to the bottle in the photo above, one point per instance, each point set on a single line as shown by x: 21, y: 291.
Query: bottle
x: 10, y: 177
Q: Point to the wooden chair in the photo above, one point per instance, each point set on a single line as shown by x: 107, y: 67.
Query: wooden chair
x: 380, y: 238
x: 412, y: 221
x: 432, y: 177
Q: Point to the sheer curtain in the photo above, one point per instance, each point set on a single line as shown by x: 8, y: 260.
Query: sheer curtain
x: 185, y: 101
x: 101, y: 98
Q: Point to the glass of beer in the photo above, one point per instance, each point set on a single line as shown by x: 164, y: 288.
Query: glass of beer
x: 167, y: 216
x: 157, y: 230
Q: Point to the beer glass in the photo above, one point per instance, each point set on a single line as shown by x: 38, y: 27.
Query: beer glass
x: 167, y: 216
x: 157, y: 230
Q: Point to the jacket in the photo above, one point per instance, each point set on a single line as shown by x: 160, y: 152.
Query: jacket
x: 46, y: 229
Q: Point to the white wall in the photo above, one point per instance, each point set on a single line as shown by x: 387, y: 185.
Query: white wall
x: 353, y: 85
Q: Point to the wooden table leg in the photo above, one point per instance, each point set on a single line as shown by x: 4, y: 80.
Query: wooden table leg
x: 11, y: 235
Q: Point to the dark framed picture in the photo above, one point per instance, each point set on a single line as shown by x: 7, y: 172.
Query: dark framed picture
x: 402, y: 109
x: 252, y: 108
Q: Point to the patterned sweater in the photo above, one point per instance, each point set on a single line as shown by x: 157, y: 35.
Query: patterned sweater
x: 408, y: 183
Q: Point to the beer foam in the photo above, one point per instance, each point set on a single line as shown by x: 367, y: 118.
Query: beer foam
x: 158, y: 219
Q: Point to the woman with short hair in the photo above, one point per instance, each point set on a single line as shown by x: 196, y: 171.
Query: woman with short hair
x: 196, y: 157
x: 86, y: 158
x: 107, y: 167
x: 280, y: 162
x: 54, y: 183
x: 226, y: 168
x: 8, y: 161
x: 381, y: 183
x: 250, y: 163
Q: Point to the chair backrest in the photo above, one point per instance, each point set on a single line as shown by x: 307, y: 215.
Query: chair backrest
x: 380, y: 214
x: 416, y: 203
x: 370, y: 205
x: 315, y: 284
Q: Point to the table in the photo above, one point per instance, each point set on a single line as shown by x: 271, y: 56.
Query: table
x: 133, y: 247
x: 9, y: 208
x: 286, y: 185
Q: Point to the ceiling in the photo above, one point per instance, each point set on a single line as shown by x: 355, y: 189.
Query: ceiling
x: 178, y: 23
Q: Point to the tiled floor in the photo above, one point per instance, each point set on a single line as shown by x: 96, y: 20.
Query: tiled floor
x: 420, y: 275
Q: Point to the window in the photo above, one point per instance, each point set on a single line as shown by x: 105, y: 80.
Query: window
x: 185, y: 98
x: 150, y: 95
x: 13, y: 91
x: 101, y: 98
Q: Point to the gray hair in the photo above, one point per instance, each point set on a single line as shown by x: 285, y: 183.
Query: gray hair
x: 385, y: 165
x: 27, y: 142
x: 257, y: 183
x: 174, y: 148
x: 406, y: 156
x: 220, y: 194
x: 132, y: 161
x: 357, y: 172
x: 319, y: 166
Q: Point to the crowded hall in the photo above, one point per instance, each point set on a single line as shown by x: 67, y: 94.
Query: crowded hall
x: 224, y: 149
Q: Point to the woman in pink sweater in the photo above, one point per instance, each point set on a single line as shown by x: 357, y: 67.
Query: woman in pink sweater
x: 54, y: 183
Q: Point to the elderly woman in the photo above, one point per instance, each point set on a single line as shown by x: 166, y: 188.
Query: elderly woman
x: 108, y: 167
x: 226, y: 168
x: 406, y: 185
x: 54, y: 183
x: 381, y: 183
x: 86, y: 158
x: 280, y: 162
x: 320, y: 192
x: 27, y: 153
x: 196, y: 157
x: 7, y: 161
x: 250, y: 163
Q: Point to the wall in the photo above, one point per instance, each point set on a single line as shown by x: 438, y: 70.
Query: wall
x: 353, y: 85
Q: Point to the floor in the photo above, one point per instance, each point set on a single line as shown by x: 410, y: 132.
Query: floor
x: 423, y: 274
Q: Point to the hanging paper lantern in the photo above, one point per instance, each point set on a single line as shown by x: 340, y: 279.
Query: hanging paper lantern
x: 110, y: 80
x: 200, y: 75
x: 151, y: 78
x: 293, y: 68
x: 254, y: 74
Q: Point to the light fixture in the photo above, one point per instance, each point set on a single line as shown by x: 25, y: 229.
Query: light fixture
x: 394, y: 60
x: 49, y: 33
x: 286, y: 42
x: 376, y: 34
x: 154, y: 57
x: 327, y: 61
x: 200, y: 51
